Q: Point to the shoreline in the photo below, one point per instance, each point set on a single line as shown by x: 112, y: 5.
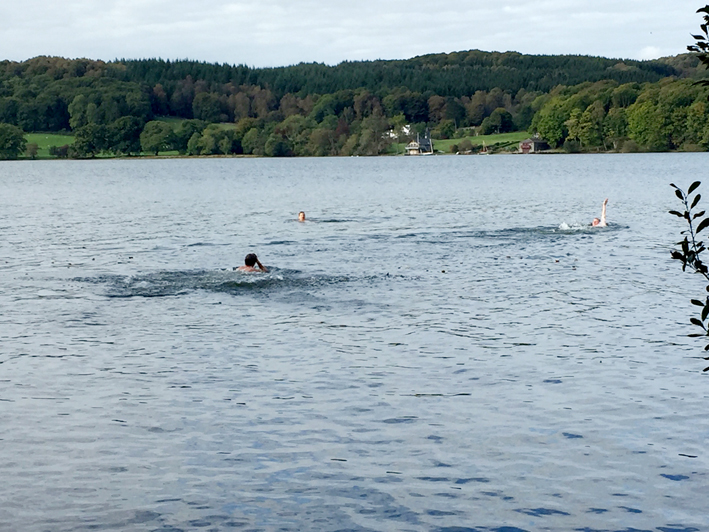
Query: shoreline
x: 251, y: 156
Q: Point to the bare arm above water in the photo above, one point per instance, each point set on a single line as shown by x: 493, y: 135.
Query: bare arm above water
x: 603, y: 213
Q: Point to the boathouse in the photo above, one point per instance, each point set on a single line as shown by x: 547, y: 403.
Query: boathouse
x: 533, y: 145
x: 423, y: 145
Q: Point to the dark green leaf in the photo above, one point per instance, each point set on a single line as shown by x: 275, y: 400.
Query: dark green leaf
x: 695, y: 321
x: 693, y: 187
x: 696, y: 200
x: 702, y: 225
x: 676, y: 213
x: 697, y: 302
x: 698, y: 215
x: 705, y: 311
x: 679, y: 194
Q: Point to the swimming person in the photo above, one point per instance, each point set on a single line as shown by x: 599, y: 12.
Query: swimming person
x: 249, y: 262
x: 601, y: 222
x: 301, y: 216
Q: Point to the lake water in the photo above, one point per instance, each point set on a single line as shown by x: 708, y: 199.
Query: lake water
x: 444, y: 345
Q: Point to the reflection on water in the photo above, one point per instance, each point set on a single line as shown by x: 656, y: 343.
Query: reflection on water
x: 444, y: 345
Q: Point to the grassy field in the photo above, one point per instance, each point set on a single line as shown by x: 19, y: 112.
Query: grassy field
x: 45, y: 140
x: 495, y: 142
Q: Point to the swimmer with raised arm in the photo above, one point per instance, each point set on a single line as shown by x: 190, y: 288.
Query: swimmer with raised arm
x: 601, y: 222
x: 249, y: 262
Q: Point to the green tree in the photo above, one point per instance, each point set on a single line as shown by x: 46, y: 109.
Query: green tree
x: 455, y: 111
x: 32, y: 150
x: 326, y: 105
x: 500, y: 121
x: 213, y: 141
x: 373, y: 139
x: 591, y: 125
x: 253, y: 142
x: 647, y: 126
x: 89, y: 140
x: 698, y: 123
x: 465, y: 146
x: 398, y: 124
x: 625, y: 95
x: 277, y: 146
x: 156, y: 137
x: 475, y: 109
x: 523, y: 118
x: 321, y: 142
x: 615, y: 126
x: 226, y: 144
x: 207, y: 106
x: 77, y: 111
x: 60, y: 152
x: 9, y: 108
x: 184, y: 132
x: 445, y: 130
x: 209, y: 142
x: 244, y: 125
x: 124, y: 135
x: 193, y: 147
x: 436, y: 108
x: 550, y: 121
x: 349, y: 147
x: 296, y: 131
x: 573, y: 125
x: 12, y: 141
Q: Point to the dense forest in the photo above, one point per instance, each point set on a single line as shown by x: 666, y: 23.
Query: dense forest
x: 353, y: 108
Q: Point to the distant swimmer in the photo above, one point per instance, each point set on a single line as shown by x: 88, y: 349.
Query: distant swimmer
x: 301, y: 216
x: 249, y: 262
x: 601, y: 222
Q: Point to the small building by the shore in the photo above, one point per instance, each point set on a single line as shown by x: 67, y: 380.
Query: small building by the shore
x: 423, y: 145
x: 533, y: 145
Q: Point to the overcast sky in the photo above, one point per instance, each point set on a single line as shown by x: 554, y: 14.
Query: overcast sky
x: 285, y: 32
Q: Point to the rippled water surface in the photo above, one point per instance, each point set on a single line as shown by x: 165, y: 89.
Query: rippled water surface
x: 444, y: 345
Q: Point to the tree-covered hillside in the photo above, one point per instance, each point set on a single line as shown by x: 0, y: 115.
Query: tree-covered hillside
x: 308, y: 109
x: 456, y: 74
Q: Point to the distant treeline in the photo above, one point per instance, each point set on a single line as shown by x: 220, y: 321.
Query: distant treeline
x: 353, y: 107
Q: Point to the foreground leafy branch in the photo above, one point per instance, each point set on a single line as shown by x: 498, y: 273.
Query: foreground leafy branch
x: 691, y: 248
x: 701, y: 44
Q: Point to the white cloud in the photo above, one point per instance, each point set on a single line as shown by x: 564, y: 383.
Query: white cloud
x: 276, y: 32
x: 649, y: 52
